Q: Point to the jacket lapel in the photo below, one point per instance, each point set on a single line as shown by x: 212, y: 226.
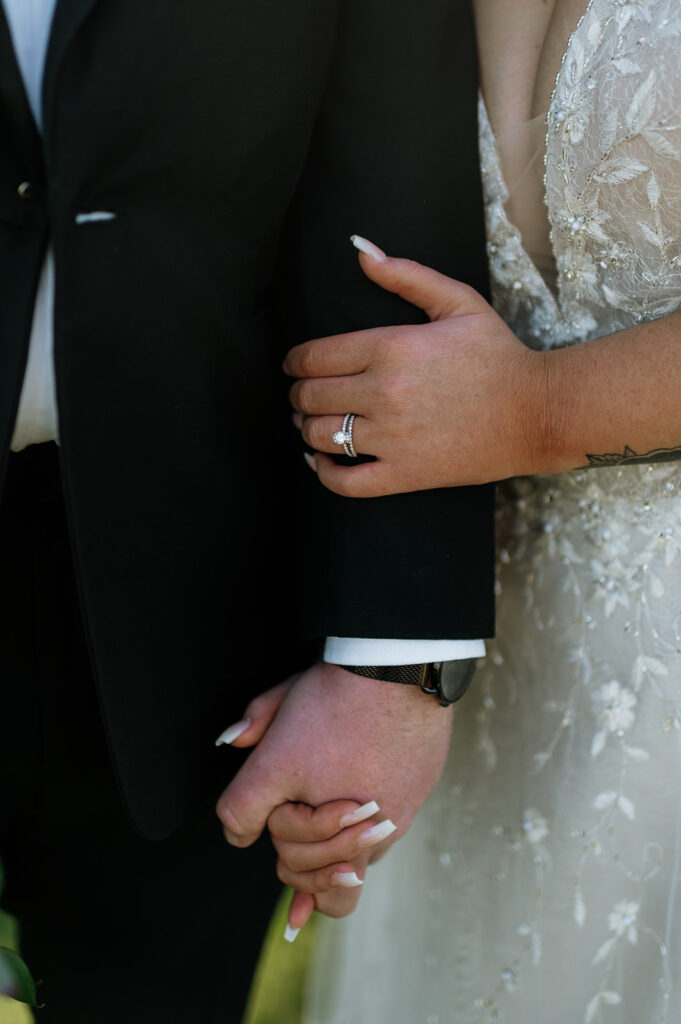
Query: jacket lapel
x: 68, y: 17
x: 12, y: 93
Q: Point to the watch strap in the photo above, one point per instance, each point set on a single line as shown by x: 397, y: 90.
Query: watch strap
x: 446, y: 680
x: 413, y: 675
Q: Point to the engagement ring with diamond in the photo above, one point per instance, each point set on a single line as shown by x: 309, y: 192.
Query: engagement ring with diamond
x: 343, y: 437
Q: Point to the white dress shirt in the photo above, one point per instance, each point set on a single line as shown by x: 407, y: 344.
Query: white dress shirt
x: 30, y: 22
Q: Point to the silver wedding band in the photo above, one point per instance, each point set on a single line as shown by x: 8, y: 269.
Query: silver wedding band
x: 344, y: 436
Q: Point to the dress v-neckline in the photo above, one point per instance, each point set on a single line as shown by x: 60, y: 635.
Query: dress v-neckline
x: 549, y: 294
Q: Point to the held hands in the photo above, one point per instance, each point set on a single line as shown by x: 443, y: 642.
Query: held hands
x: 457, y: 401
x: 329, y: 737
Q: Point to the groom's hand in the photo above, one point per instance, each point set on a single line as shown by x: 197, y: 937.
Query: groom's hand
x: 338, y: 736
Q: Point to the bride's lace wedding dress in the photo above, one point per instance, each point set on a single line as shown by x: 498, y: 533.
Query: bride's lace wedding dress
x: 541, y: 884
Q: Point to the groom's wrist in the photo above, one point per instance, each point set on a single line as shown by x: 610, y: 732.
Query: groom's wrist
x: 364, y: 692
x: 447, y: 681
x: 441, y: 668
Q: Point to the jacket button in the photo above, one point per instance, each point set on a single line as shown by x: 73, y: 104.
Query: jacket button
x: 26, y: 190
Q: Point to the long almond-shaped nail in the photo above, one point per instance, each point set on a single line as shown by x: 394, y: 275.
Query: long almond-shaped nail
x: 291, y: 934
x: 310, y: 459
x: 346, y: 879
x: 368, y: 248
x: 377, y: 834
x: 233, y: 733
x: 361, y: 814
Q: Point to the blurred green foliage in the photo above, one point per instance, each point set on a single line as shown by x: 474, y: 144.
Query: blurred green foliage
x: 12, y: 968
x: 279, y: 983
x: 11, y: 1012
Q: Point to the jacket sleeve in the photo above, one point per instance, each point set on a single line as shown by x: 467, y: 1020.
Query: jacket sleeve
x: 394, y: 157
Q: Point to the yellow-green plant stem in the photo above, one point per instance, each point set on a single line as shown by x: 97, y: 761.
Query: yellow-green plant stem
x: 279, y: 983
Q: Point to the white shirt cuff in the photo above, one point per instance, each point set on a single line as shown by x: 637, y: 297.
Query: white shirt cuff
x: 341, y: 650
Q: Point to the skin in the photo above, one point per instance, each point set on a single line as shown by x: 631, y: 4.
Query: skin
x: 325, y: 734
x: 502, y: 409
x: 520, y: 47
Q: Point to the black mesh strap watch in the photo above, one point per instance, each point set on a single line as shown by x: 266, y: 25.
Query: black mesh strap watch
x: 446, y: 680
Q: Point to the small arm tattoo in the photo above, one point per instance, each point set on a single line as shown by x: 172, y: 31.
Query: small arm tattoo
x: 631, y: 458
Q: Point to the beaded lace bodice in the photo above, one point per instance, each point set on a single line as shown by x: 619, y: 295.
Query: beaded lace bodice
x: 613, y: 182
x: 541, y: 882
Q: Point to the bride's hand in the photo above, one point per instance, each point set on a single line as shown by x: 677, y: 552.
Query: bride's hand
x: 325, y: 849
x: 257, y: 717
x: 457, y: 401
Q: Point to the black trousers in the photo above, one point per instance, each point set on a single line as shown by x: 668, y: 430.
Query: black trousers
x: 119, y: 929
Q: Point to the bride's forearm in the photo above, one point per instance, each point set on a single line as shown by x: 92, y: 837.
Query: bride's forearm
x: 461, y: 400
x: 615, y: 400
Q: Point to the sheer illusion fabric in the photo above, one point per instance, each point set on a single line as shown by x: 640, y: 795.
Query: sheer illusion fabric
x: 541, y: 881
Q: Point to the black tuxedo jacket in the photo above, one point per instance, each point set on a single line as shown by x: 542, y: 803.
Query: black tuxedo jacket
x: 238, y: 144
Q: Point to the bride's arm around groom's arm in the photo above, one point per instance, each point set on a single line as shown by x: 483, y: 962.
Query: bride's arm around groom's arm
x: 395, y: 148
x: 474, y: 403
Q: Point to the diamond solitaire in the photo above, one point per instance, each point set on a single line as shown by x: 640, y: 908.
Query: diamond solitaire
x: 343, y: 437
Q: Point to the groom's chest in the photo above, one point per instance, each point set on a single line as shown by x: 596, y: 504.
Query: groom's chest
x: 165, y: 81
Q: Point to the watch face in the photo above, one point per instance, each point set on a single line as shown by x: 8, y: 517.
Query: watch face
x: 455, y: 678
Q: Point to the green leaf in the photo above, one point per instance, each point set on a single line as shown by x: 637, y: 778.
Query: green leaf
x: 277, y: 993
x: 15, y: 978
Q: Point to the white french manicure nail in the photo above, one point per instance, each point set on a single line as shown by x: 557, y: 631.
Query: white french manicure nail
x: 346, y: 879
x: 310, y: 459
x: 368, y: 248
x: 361, y: 814
x: 377, y: 834
x: 233, y: 733
x: 291, y: 934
